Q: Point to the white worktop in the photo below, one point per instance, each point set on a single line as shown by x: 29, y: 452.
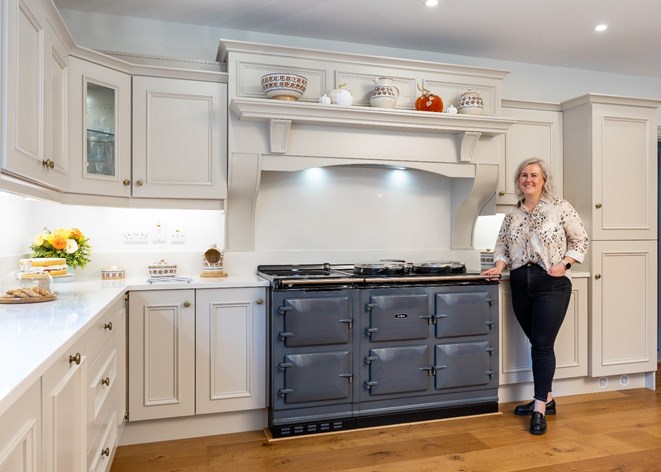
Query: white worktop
x: 33, y: 335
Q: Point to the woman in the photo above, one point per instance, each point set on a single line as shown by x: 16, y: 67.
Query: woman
x: 539, y: 240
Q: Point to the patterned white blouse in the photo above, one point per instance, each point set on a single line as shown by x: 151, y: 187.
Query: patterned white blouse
x: 552, y: 231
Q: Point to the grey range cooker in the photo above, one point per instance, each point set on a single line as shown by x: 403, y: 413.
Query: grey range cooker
x: 360, y: 345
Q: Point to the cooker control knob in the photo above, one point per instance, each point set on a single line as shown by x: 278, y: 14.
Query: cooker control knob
x: 259, y: 301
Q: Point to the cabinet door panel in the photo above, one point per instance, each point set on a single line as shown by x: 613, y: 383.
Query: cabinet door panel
x: 179, y: 138
x: 231, y: 350
x: 20, y: 435
x: 624, y: 300
x: 161, y: 354
x: 99, y: 124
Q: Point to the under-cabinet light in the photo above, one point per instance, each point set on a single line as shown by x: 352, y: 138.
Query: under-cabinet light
x: 600, y: 28
x: 431, y: 3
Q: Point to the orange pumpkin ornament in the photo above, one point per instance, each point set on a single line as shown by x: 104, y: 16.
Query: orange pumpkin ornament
x: 428, y: 101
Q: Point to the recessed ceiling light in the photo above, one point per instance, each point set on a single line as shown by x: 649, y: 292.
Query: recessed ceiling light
x: 600, y: 28
x: 431, y: 3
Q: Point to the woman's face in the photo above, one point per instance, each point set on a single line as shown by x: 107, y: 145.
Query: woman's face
x: 531, y: 181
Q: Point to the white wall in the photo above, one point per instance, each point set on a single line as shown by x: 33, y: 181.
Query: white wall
x: 105, y: 228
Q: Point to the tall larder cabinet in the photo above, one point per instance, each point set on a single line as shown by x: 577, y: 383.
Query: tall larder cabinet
x: 610, y: 177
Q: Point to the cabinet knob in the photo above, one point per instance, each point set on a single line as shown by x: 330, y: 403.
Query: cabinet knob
x: 108, y: 326
x: 106, y: 452
x: 48, y: 164
x: 126, y: 182
x: 597, y: 206
x: 75, y: 358
x: 187, y: 304
x: 597, y: 276
x: 259, y: 301
x: 139, y: 183
x: 501, y: 193
x: 106, y: 381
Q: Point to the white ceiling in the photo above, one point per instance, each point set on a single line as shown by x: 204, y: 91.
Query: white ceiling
x: 551, y: 32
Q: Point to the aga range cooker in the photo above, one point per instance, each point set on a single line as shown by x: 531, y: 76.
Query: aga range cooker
x: 359, y: 345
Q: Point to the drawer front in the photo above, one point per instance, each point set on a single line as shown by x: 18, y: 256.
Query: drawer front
x: 99, y: 334
x: 104, y: 445
x: 101, y: 387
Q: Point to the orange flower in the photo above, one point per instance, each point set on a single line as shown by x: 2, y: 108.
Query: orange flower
x: 76, y: 233
x: 59, y: 242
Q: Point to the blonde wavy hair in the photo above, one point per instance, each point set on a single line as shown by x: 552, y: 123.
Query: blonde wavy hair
x: 548, y: 189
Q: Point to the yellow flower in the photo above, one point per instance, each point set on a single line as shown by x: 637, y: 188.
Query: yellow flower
x: 38, y: 240
x: 59, y: 242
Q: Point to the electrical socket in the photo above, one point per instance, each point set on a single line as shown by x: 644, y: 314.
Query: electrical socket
x: 177, y: 237
x: 158, y: 235
x: 140, y: 237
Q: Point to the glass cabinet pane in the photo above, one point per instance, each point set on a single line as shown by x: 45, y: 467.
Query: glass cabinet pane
x: 100, y: 124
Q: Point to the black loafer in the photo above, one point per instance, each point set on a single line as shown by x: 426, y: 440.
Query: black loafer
x: 528, y: 408
x: 537, y: 423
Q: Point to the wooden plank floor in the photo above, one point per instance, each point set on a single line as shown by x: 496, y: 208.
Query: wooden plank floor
x: 610, y: 431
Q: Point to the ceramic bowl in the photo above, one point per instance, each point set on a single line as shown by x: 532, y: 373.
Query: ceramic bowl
x: 470, y: 103
x: 284, y: 86
x: 113, y: 273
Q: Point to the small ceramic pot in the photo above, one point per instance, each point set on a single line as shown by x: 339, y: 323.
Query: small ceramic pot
x: 162, y: 268
x: 385, y: 93
x: 113, y: 273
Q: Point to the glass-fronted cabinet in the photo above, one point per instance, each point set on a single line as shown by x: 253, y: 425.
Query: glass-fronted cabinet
x: 99, y: 129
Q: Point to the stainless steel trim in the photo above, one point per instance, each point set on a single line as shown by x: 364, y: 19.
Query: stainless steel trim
x: 428, y: 278
x: 320, y: 281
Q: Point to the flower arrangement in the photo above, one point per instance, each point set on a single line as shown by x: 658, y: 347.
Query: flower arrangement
x: 68, y: 243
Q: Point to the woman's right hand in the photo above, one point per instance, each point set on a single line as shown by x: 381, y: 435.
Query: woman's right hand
x: 495, y: 270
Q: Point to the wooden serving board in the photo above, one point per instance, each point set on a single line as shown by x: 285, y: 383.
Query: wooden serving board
x: 214, y: 273
x: 14, y: 300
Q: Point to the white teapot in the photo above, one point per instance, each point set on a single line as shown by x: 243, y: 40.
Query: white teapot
x: 341, y: 96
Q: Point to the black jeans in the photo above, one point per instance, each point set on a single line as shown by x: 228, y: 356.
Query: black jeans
x: 540, y: 302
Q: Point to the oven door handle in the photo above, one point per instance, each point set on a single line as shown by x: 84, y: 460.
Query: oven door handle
x: 283, y: 392
x: 284, y: 335
x: 370, y: 331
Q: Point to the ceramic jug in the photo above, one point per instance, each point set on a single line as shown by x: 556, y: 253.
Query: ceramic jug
x: 385, y: 93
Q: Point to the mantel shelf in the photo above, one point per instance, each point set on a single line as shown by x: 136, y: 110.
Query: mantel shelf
x: 335, y: 115
x: 281, y: 114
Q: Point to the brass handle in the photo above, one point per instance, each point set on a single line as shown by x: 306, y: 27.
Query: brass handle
x: 51, y: 165
x: 501, y: 193
x: 259, y: 301
x: 106, y: 452
x: 187, y: 304
x: 597, y: 277
x: 48, y: 164
x: 126, y: 182
x: 75, y: 358
x: 106, y: 381
x: 597, y: 206
x: 139, y: 183
x: 108, y: 326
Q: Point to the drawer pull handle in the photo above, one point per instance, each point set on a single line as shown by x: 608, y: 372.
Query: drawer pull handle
x: 126, y: 182
x: 259, y: 301
x: 75, y: 358
x: 597, y: 206
x: 187, y: 304
x: 106, y: 452
x: 106, y: 381
x: 597, y: 277
x: 501, y: 193
x: 139, y: 183
x: 108, y: 326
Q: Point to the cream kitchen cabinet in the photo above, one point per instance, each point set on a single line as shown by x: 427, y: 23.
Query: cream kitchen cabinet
x: 196, y: 351
x: 161, y: 354
x: 571, y: 347
x: 64, y: 409
x: 623, y: 325
x: 179, y: 138
x: 611, y: 165
x: 537, y: 133
x: 37, y: 102
x: 99, y: 129
x: 106, y: 386
x: 230, y: 345
x: 20, y: 436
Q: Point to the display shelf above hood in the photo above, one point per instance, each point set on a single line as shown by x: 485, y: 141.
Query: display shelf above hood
x: 283, y: 114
